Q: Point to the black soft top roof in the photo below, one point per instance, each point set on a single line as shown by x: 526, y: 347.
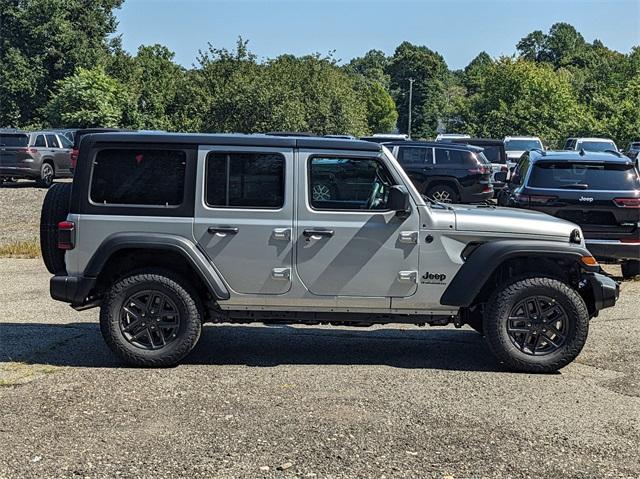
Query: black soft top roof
x: 231, y: 139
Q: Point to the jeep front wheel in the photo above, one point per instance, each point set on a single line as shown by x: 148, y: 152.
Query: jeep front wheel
x: 151, y: 319
x: 536, y: 324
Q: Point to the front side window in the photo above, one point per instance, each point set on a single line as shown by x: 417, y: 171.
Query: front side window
x: 143, y: 177
x: 245, y: 180
x: 348, y: 183
x: 415, y: 156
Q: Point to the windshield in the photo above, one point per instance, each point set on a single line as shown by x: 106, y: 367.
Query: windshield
x: 597, y: 145
x: 493, y: 154
x: 580, y: 176
x: 522, y: 145
x: 14, y: 140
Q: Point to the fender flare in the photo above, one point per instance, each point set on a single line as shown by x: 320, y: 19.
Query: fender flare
x: 178, y: 244
x: 486, y: 258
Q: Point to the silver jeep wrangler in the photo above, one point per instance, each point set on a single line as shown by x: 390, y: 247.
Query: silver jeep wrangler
x: 166, y: 232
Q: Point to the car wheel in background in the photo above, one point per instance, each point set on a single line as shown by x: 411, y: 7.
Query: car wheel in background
x: 630, y: 268
x: 536, y: 325
x: 323, y: 192
x: 443, y: 193
x: 55, y: 209
x: 47, y: 174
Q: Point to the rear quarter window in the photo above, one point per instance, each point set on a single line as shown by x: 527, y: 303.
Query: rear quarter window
x: 583, y: 176
x: 138, y: 177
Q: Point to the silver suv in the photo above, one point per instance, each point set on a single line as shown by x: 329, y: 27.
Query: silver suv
x: 40, y: 155
x: 165, y: 232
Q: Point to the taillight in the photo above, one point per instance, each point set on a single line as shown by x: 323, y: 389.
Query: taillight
x: 630, y: 240
x: 74, y: 157
x: 66, y: 235
x: 479, y: 170
x: 27, y: 150
x: 627, y: 202
x: 534, y: 199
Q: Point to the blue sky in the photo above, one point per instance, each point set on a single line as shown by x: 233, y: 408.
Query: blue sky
x: 457, y: 29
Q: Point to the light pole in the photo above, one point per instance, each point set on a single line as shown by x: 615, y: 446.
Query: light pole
x: 411, y: 80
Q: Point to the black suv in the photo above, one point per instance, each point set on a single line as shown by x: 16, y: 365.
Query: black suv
x: 493, y: 151
x: 598, y: 191
x: 446, y: 172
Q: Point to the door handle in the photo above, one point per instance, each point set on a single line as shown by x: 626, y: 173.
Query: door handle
x: 227, y: 230
x: 310, y: 233
x: 282, y: 234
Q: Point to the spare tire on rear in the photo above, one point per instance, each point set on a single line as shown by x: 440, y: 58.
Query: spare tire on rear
x: 55, y: 209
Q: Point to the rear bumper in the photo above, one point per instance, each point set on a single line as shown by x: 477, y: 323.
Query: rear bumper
x: 604, y: 289
x: 71, y: 289
x: 19, y: 171
x: 613, y: 249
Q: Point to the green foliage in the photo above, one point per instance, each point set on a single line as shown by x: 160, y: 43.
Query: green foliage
x: 89, y: 98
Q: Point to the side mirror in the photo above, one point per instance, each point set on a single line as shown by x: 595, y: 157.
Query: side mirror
x: 398, y: 199
x: 500, y: 177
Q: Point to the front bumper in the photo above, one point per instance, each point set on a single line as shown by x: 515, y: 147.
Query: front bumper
x: 71, y: 289
x: 604, y: 289
x: 613, y: 249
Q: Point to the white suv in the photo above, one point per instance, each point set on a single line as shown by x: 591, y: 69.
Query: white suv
x: 591, y: 144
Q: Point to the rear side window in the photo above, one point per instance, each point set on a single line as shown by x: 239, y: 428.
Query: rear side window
x: 142, y: 177
x: 14, y: 140
x: 245, y: 180
x: 415, y: 156
x: 457, y: 158
x: 40, y: 142
x: 52, y: 141
x: 582, y: 176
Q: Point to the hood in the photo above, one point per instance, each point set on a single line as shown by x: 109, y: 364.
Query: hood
x: 510, y: 220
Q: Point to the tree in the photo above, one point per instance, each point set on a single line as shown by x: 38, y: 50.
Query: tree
x: 89, y: 98
x: 430, y: 73
x: 53, y: 38
x: 382, y: 116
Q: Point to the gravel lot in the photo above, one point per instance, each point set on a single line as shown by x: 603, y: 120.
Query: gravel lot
x: 258, y: 401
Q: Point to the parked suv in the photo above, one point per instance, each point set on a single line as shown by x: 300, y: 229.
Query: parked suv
x: 41, y: 156
x: 632, y: 150
x: 168, y: 231
x: 598, y: 191
x: 591, y: 144
x: 446, y: 172
x: 494, y: 152
x: 515, y: 146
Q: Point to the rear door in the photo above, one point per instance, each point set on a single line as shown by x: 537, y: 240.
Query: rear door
x: 54, y: 148
x: 244, y: 216
x: 350, y: 244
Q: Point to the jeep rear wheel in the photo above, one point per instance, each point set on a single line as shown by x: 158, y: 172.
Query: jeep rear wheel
x: 443, y: 193
x: 151, y: 318
x: 536, y: 324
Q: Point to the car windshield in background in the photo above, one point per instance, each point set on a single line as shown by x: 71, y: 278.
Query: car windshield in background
x: 14, y: 140
x: 582, y: 176
x: 597, y: 146
x: 522, y: 145
x: 493, y: 154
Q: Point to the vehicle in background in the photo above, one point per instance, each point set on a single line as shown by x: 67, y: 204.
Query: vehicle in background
x: 40, y: 155
x: 78, y: 138
x: 494, y: 151
x: 384, y: 137
x: 451, y: 136
x: 591, y: 144
x: 632, y: 150
x: 515, y: 146
x: 446, y: 172
x: 598, y: 191
x: 341, y: 137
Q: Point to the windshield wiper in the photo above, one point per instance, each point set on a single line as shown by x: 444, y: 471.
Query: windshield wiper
x: 436, y: 202
x: 575, y: 186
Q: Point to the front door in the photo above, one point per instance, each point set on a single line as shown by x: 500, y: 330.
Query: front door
x: 244, y: 216
x: 348, y: 243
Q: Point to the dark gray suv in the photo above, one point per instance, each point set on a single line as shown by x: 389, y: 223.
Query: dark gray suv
x: 40, y: 155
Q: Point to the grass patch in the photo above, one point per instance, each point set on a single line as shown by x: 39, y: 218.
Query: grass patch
x: 21, y: 249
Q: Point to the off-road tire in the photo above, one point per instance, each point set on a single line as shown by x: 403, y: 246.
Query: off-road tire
x: 47, y: 175
x: 168, y: 283
x: 55, y: 209
x: 439, y: 191
x: 499, y: 308
x: 630, y: 268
